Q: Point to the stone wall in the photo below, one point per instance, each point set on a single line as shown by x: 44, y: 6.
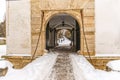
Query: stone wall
x: 3, y: 71
x: 89, y: 25
x: 23, y: 23
x: 36, y: 17
x: 100, y: 62
x: 18, y: 61
x: 43, y: 10
x: 62, y: 4
x: 2, y: 41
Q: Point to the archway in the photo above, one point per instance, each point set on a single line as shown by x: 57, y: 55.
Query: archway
x: 63, y: 22
x: 64, y: 37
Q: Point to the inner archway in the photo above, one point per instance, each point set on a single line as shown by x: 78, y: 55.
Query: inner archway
x: 64, y: 37
x: 63, y: 30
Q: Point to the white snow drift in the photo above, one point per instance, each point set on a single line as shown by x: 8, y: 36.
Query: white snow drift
x: 64, y: 41
x: 40, y: 68
x: 83, y: 70
x: 114, y: 65
x: 36, y: 70
x: 2, y: 50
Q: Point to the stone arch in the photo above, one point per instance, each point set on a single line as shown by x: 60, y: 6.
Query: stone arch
x: 49, y: 14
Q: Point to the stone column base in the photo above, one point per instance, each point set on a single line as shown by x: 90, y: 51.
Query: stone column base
x: 18, y: 61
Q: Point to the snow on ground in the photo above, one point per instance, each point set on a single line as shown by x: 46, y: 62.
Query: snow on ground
x: 2, y: 50
x: 63, y: 41
x: 40, y: 68
x: 114, y: 65
x: 83, y: 70
x: 36, y: 70
x: 2, y: 64
x: 103, y: 75
x: 5, y: 63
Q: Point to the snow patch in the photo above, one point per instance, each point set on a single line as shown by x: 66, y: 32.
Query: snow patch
x: 114, y: 65
x: 103, y: 75
x: 64, y: 41
x: 83, y: 70
x: 4, y: 64
x: 2, y: 50
x: 82, y: 67
x: 36, y: 70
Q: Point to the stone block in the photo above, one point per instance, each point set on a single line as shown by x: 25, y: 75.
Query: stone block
x: 36, y: 20
x: 2, y: 41
x: 100, y: 62
x: 18, y: 61
x: 89, y: 12
x: 3, y: 71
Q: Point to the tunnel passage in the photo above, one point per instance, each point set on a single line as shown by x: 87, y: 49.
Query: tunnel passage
x: 63, y: 30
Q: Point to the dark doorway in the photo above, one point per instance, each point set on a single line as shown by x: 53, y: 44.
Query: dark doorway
x: 63, y: 31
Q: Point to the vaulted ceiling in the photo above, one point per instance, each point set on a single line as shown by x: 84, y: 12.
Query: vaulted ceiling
x: 62, y: 20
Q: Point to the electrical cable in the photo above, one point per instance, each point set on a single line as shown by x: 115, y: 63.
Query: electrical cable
x: 86, y: 43
x: 40, y: 30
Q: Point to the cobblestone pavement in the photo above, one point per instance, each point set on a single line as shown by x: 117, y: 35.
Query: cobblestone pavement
x: 62, y: 69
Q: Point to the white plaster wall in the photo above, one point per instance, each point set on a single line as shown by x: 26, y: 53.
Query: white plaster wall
x: 18, y: 27
x: 107, y: 26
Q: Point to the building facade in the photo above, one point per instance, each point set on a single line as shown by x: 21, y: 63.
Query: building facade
x: 29, y: 21
x: 35, y: 14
